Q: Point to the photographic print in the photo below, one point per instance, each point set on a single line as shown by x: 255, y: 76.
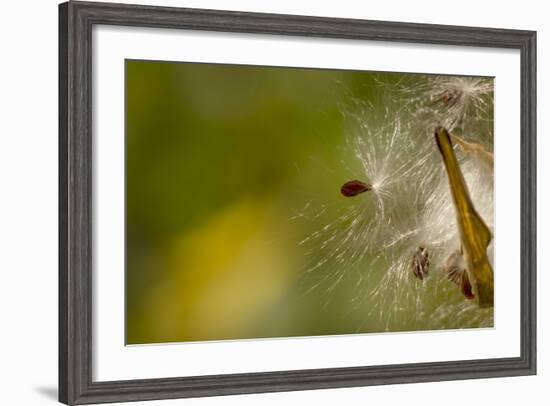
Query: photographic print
x: 271, y: 202
x: 296, y: 202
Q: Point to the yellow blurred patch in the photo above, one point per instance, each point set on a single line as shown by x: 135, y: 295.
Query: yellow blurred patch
x: 224, y: 275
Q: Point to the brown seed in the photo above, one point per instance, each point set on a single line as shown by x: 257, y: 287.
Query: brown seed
x: 354, y: 187
x: 455, y: 269
x: 421, y: 263
x: 450, y: 97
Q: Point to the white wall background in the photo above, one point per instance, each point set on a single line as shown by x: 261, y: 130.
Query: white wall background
x: 28, y: 200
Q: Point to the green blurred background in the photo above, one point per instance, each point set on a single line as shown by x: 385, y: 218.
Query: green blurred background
x: 220, y: 158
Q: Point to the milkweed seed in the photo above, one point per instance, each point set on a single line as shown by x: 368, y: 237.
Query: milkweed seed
x: 354, y: 187
x: 421, y: 263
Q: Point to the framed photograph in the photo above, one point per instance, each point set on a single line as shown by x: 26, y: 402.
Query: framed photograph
x: 257, y: 202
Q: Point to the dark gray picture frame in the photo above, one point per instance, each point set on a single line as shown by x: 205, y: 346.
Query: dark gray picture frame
x: 76, y: 20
